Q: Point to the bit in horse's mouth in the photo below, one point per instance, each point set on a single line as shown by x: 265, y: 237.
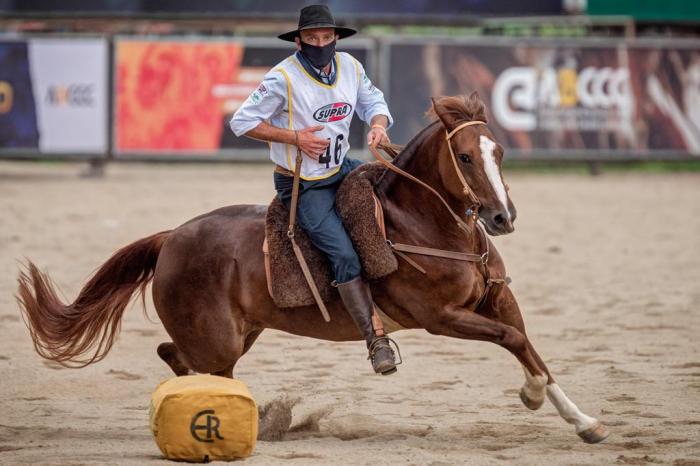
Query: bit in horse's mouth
x: 487, y: 227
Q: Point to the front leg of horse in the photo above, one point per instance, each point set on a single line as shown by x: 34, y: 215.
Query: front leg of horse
x: 463, y: 323
x: 460, y: 322
x: 504, y: 308
x: 533, y: 392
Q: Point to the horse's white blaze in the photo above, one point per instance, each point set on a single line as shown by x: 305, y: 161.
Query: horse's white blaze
x: 487, y: 147
x: 568, y: 410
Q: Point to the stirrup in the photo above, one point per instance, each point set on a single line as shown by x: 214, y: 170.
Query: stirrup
x: 389, y: 341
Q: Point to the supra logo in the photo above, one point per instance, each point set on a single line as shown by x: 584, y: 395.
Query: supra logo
x: 74, y: 95
x: 209, y: 426
x: 333, y: 112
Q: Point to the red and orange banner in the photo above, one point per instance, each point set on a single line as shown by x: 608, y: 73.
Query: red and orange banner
x: 166, y: 94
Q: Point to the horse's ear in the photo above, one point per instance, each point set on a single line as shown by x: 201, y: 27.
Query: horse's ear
x: 475, y: 107
x: 433, y: 107
x: 445, y: 113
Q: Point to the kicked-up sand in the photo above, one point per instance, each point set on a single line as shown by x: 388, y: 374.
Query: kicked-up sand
x: 606, y: 270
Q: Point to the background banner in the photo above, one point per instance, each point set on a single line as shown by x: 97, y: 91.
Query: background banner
x: 174, y: 97
x: 177, y: 96
x: 69, y: 78
x: 53, y: 96
x: 166, y: 96
x: 18, y: 123
x: 559, y: 99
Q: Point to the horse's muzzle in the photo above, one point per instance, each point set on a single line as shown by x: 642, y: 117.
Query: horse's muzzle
x: 498, y: 222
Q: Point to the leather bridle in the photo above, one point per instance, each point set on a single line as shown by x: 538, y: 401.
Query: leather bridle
x: 400, y: 248
x: 472, y: 212
x: 466, y: 190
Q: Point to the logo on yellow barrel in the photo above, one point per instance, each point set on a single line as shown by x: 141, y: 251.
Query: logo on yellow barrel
x: 204, y: 423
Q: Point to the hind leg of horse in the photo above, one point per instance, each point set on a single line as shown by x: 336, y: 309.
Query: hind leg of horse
x: 505, y: 308
x: 169, y: 353
x: 208, y: 334
x: 248, y: 341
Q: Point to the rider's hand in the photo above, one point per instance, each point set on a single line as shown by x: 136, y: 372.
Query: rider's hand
x: 376, y: 135
x: 311, y: 145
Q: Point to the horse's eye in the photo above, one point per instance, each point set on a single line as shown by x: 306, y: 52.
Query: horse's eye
x: 465, y: 158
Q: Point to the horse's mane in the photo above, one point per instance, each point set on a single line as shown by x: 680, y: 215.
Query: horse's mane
x: 457, y: 108
x: 460, y: 108
x: 409, y: 149
x: 405, y: 155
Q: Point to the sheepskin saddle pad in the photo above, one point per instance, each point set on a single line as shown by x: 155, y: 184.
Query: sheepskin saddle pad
x: 355, y: 203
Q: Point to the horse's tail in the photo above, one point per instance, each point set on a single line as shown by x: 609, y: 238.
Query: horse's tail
x: 65, y: 333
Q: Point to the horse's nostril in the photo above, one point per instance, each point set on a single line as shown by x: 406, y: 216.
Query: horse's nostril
x: 499, y: 219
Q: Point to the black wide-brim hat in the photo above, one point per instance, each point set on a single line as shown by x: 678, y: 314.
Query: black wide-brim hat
x: 316, y: 16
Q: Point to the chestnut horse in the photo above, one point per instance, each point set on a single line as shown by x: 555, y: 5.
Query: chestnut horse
x: 209, y: 284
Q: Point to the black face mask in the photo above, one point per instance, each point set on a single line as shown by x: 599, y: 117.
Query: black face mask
x: 318, y: 56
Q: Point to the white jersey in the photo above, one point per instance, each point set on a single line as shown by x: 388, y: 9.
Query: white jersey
x: 290, y: 97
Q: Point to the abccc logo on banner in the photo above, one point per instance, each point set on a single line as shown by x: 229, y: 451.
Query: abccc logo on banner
x: 520, y: 91
x: 69, y: 78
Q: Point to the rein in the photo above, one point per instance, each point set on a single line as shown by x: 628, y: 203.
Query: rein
x: 399, y: 248
x: 297, y: 250
x: 465, y: 186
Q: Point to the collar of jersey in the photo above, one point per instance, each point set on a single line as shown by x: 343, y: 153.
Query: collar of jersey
x: 313, y: 71
x: 328, y: 86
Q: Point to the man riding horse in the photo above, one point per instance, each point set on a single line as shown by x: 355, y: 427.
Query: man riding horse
x: 308, y: 101
x: 208, y: 274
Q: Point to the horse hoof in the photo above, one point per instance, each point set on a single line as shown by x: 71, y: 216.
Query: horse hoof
x: 529, y: 403
x: 595, y: 434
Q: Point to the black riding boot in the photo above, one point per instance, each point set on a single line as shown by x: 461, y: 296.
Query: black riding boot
x: 357, y: 299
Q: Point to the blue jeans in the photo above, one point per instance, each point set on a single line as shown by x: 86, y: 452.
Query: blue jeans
x: 317, y: 216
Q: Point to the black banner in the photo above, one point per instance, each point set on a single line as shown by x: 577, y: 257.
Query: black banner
x: 559, y: 99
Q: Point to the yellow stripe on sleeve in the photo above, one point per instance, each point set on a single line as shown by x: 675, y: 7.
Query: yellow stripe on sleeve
x: 291, y: 118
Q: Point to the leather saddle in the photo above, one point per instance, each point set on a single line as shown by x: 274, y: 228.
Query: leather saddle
x: 363, y: 217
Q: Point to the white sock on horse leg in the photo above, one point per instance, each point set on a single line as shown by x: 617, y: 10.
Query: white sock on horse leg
x: 568, y: 410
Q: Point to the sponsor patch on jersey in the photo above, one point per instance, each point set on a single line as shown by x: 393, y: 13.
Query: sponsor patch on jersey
x: 256, y: 97
x: 262, y: 90
x: 333, y: 112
